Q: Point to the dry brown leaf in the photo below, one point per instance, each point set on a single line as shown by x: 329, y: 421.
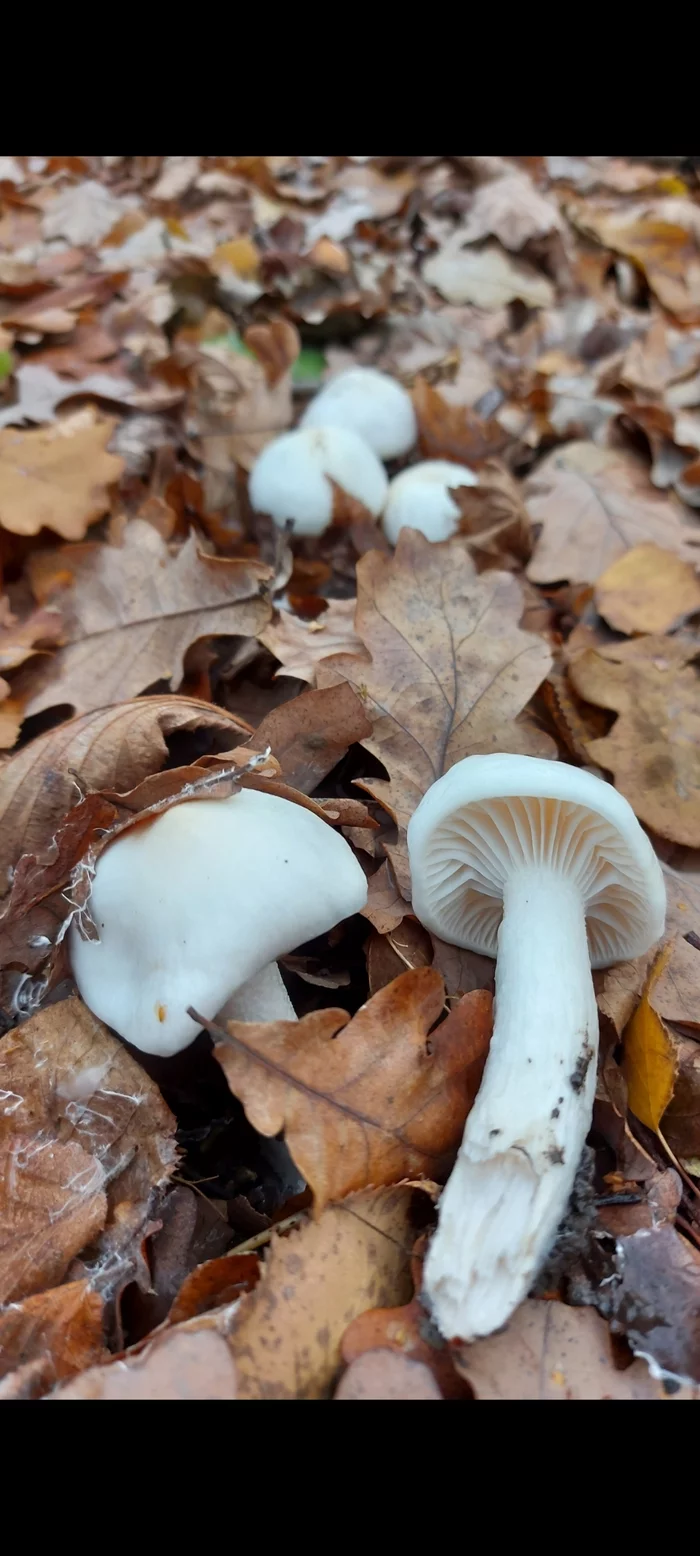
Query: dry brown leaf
x: 487, y: 277
x: 549, y: 1351
x: 282, y: 1341
x: 662, y: 246
x: 385, y: 907
x: 384, y: 1374
x: 656, y: 1301
x: 85, y: 1139
x: 276, y: 345
x: 648, y: 590
x: 113, y: 748
x: 369, y: 1100
x: 511, y: 209
x: 133, y: 612
x: 650, y: 1061
x: 41, y: 391
x: 57, y: 477
x: 462, y: 970
x: 19, y: 639
x: 451, y: 669
x: 310, y: 734
x: 405, y: 1332
x: 62, y: 1329
x: 653, y: 749
x: 299, y: 645
x: 236, y: 411
x: 594, y: 504
x: 447, y: 431
x: 407, y: 946
x: 681, y: 1121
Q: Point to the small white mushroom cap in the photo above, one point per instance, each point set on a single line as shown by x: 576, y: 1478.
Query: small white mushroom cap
x: 371, y: 404
x: 420, y: 499
x: 192, y: 906
x: 291, y: 480
x: 490, y: 816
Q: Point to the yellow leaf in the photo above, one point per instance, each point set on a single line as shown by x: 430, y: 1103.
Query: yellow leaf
x: 649, y: 1063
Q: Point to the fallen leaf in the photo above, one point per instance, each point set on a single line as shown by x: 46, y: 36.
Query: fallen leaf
x: 656, y: 1302
x: 405, y: 1332
x: 447, y: 431
x: 300, y: 645
x: 407, y: 946
x: 235, y: 412
x: 511, y: 209
x: 594, y: 504
x: 83, y: 214
x: 681, y: 1121
x: 176, y: 177
x: 20, y: 639
x: 665, y: 249
x: 85, y: 1139
x: 134, y: 610
x: 61, y: 1328
x: 652, y: 748
x: 310, y: 734
x: 450, y: 670
x: 462, y: 970
x: 113, y: 748
x: 486, y: 277
x: 369, y: 1100
x: 41, y: 392
x: 650, y: 1062
x: 648, y: 590
x: 549, y: 1351
x: 57, y: 477
x: 387, y: 1375
x: 181, y: 1363
x: 385, y: 907
x: 214, y: 1283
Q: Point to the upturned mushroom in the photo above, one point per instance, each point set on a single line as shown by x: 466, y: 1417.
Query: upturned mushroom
x: 419, y: 498
x: 291, y: 479
x: 371, y: 404
x: 545, y: 866
x: 193, y: 908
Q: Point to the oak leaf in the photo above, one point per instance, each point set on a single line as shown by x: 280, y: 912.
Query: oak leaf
x: 369, y: 1100
x: 57, y: 477
x: 447, y: 431
x: 310, y: 734
x: 300, y: 645
x: 487, y: 277
x: 511, y: 209
x: 594, y: 504
x: 134, y: 610
x: 648, y: 590
x: 653, y: 749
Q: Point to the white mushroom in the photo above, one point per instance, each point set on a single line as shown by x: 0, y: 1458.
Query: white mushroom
x: 291, y: 479
x: 547, y: 865
x: 193, y: 908
x: 419, y: 498
x: 370, y: 404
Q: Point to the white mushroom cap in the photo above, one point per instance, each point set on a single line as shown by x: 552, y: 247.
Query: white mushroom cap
x: 419, y: 498
x: 291, y: 480
x: 491, y: 815
x: 372, y: 405
x: 194, y: 905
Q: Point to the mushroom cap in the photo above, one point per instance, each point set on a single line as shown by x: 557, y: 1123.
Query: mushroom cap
x: 193, y: 905
x: 372, y: 405
x: 419, y: 498
x: 290, y: 479
x: 492, y: 815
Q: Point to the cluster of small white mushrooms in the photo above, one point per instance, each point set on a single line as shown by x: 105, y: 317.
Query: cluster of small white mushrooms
x: 358, y: 419
x: 546, y: 867
x: 193, y: 909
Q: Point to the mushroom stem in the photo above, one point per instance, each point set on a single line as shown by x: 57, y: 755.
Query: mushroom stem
x: 263, y: 998
x: 512, y: 1180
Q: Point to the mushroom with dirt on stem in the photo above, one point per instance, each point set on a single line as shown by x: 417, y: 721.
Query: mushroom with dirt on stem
x: 546, y: 867
x: 193, y: 909
x: 369, y: 403
x: 421, y: 498
x: 295, y: 478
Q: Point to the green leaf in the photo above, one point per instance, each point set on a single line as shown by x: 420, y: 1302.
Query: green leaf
x: 309, y: 367
x: 6, y: 364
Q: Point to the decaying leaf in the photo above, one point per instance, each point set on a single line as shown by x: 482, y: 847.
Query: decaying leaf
x: 406, y: 1332
x: 455, y: 432
x: 486, y: 276
x: 594, y: 504
x: 662, y: 239
x: 85, y: 1139
x: 112, y: 748
x: 57, y: 477
x: 299, y: 645
x: 385, y: 1374
x: 549, y: 1351
x: 312, y: 732
x: 134, y: 610
x: 60, y: 1329
x: 653, y: 749
x: 657, y: 1301
x: 367, y: 1101
x: 511, y: 209
x: 648, y: 590
x: 451, y: 669
x: 650, y: 1061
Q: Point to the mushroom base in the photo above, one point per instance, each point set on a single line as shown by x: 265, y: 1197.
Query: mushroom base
x: 512, y: 1180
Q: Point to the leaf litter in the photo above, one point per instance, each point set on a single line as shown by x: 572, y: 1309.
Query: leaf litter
x: 248, y: 1220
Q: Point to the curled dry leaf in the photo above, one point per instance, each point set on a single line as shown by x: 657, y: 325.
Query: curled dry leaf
x: 60, y: 1329
x: 652, y: 749
x: 369, y: 1100
x: 113, y: 748
x: 549, y: 1351
x: 312, y: 732
x: 299, y: 645
x: 648, y: 590
x: 594, y: 504
x: 661, y: 239
x: 85, y: 1139
x: 134, y: 610
x: 282, y: 1341
x: 57, y: 477
x: 385, y: 907
x: 451, y: 669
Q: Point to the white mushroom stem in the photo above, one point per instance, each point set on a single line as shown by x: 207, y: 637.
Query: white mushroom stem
x: 512, y: 1180
x: 263, y: 998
